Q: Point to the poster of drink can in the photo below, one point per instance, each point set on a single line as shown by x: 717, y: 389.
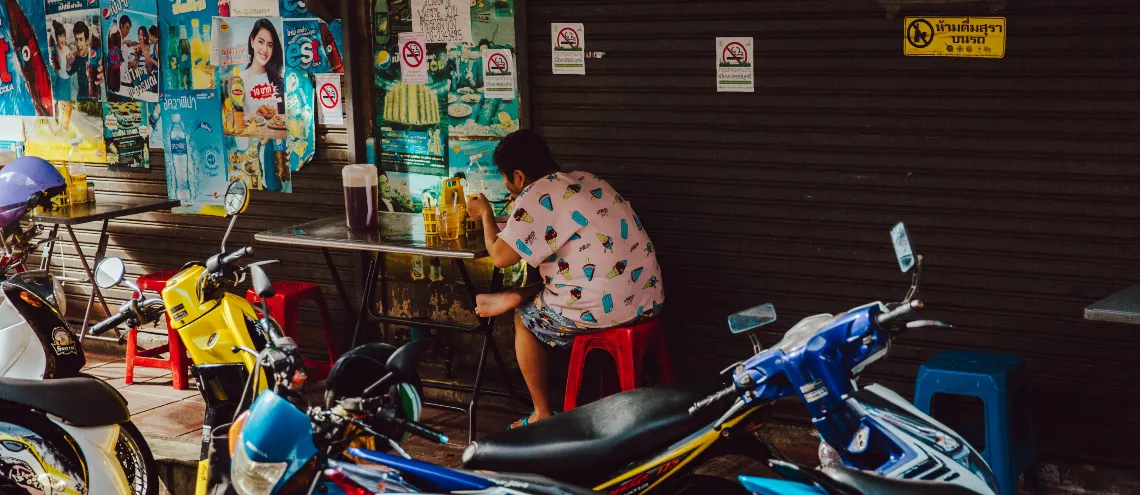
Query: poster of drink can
x: 76, y: 47
x: 187, y: 38
x: 133, y: 37
x: 251, y: 66
x: 195, y: 173
x: 25, y: 82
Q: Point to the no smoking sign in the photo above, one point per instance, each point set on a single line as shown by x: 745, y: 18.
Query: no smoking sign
x: 329, y: 95
x: 331, y: 106
x: 413, y: 70
x: 734, y: 72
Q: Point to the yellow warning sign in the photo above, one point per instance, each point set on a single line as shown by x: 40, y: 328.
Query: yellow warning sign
x: 972, y: 37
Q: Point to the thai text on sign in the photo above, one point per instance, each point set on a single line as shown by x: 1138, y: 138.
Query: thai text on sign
x: 971, y: 37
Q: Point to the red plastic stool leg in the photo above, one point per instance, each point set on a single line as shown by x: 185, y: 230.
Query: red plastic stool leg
x: 132, y: 350
x: 627, y: 363
x: 574, y: 374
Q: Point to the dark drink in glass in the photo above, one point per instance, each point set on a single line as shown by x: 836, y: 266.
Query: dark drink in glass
x: 361, y: 196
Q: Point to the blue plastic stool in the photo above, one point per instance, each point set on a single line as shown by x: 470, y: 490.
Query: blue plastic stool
x: 999, y: 381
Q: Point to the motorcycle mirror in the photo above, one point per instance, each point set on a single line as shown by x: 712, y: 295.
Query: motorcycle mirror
x: 751, y: 318
x: 261, y: 283
x: 110, y: 272
x: 903, y: 251
x: 403, y: 361
x: 236, y: 198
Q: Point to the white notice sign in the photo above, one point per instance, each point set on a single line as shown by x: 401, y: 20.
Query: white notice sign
x: 568, y: 46
x: 498, y: 74
x: 413, y: 58
x: 734, y: 72
x: 442, y: 21
x: 253, y: 8
x: 329, y: 98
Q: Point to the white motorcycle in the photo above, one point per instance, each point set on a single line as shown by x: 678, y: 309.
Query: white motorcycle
x: 61, y: 432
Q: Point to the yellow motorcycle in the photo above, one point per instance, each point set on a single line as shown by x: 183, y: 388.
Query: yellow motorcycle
x: 215, y: 325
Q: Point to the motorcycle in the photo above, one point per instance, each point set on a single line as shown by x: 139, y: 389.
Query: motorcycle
x: 36, y: 343
x: 842, y: 480
x: 818, y: 360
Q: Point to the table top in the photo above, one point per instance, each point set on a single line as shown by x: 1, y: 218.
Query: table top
x: 400, y: 233
x: 103, y: 210
x: 1122, y: 307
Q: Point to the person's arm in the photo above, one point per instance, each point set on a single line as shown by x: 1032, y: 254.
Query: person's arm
x: 502, y: 254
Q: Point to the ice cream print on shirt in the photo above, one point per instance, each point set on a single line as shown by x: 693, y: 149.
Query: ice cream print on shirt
x: 591, y: 249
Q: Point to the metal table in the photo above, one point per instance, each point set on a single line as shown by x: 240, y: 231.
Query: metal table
x: 1122, y: 307
x: 103, y: 210
x: 403, y: 233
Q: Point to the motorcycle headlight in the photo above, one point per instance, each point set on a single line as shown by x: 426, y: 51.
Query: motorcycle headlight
x: 59, y: 295
x: 254, y: 478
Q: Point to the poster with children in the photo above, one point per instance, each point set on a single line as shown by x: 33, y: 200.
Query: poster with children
x: 25, y: 85
x: 77, y: 48
x: 131, y: 62
x: 251, y: 66
x: 186, y: 36
x: 195, y: 171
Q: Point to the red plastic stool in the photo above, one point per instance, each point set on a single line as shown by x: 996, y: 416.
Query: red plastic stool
x: 283, y: 308
x: 627, y: 345
x: 178, y: 361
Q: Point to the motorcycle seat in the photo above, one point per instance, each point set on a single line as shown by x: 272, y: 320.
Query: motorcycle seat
x: 590, y: 444
x: 873, y: 484
x: 83, y: 402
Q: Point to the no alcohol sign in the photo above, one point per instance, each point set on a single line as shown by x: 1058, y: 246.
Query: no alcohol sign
x: 413, y: 58
x: 734, y: 72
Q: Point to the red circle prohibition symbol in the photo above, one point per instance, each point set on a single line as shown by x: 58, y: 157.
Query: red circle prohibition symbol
x: 329, y: 93
x: 568, y: 36
x: 413, y: 54
x: 498, y: 62
x: 734, y: 51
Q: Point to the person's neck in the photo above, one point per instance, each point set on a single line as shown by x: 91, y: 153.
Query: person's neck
x: 257, y: 69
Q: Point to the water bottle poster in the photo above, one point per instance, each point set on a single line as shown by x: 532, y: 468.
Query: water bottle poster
x: 74, y: 133
x: 132, y: 59
x: 25, y: 83
x: 195, y: 173
x: 300, y: 120
x: 186, y: 38
x: 251, y: 66
x: 126, y: 130
x: 76, y: 47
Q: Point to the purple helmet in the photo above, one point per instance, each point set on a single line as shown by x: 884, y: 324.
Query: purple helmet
x: 25, y: 183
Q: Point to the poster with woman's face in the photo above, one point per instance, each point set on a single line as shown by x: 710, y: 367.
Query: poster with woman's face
x: 252, y: 73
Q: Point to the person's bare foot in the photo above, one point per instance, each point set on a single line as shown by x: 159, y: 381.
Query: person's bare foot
x: 533, y: 418
x: 488, y: 305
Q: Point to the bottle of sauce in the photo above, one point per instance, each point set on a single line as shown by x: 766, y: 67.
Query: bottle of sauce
x: 237, y: 97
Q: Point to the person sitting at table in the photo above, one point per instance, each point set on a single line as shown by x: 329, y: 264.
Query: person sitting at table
x: 597, y: 263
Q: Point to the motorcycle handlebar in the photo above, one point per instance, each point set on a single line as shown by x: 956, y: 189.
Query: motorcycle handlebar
x: 712, y: 399
x: 110, y: 323
x: 898, y: 312
x: 220, y: 260
x: 421, y: 431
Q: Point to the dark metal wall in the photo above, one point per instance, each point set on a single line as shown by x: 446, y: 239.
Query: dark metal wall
x: 1017, y: 179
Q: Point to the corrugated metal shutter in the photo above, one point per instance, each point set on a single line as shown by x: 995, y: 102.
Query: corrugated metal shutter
x: 159, y: 241
x: 1017, y: 178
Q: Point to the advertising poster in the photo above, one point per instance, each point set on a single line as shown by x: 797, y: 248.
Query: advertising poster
x: 126, y: 130
x: 12, y: 135
x: 155, y: 120
x: 130, y: 28
x: 187, y: 40
x: 74, y: 134
x: 412, y: 131
x: 306, y: 48
x: 195, y: 173
x: 25, y: 81
x: 261, y: 163
x: 254, y: 8
x: 299, y: 118
x: 470, y: 112
x: 76, y: 50
x: 251, y: 65
x: 405, y: 192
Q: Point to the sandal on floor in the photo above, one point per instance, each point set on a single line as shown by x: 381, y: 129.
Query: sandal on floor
x: 525, y: 420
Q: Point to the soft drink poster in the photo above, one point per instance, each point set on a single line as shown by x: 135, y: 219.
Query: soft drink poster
x: 195, y: 173
x: 251, y: 66
x: 186, y: 39
x: 76, y: 47
x: 310, y: 46
x: 133, y: 38
x: 25, y: 85
x: 300, y: 120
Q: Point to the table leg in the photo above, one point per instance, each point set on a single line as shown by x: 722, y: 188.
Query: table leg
x: 95, y: 292
x: 472, y: 410
x: 51, y: 246
x: 339, y: 284
x: 362, y: 312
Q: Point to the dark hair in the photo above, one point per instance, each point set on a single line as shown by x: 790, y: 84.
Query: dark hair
x: 142, y: 34
x: 276, y: 64
x: 125, y: 21
x: 58, y: 28
x: 154, y: 31
x: 81, y: 28
x: 525, y: 151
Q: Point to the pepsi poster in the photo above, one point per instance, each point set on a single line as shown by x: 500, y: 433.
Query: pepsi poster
x: 131, y: 63
x: 187, y: 38
x: 76, y: 49
x: 25, y: 85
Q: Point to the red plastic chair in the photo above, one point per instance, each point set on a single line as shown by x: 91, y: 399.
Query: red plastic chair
x: 283, y: 308
x: 628, y: 346
x: 177, y: 361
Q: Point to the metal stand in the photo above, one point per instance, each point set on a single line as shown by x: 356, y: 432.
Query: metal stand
x: 100, y: 251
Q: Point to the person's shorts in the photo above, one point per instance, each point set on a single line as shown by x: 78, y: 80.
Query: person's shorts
x: 555, y: 330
